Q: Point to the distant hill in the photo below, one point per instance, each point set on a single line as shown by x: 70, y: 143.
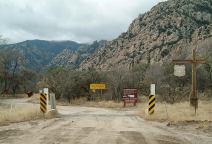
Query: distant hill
x: 41, y: 54
x: 168, y: 30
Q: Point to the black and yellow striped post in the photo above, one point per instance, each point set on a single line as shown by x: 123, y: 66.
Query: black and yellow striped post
x: 151, y: 104
x: 43, y: 105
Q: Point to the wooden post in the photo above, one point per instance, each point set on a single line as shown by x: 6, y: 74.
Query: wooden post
x: 194, y: 62
x: 193, y: 98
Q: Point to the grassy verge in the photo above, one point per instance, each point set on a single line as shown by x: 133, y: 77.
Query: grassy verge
x: 10, y: 96
x: 178, y: 112
x: 101, y: 104
x: 18, y: 114
x: 82, y: 102
x: 13, y: 114
x: 163, y: 112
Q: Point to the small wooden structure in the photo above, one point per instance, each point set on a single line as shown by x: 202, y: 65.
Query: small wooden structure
x: 130, y: 96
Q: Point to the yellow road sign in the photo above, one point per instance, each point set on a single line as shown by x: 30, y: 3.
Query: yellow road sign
x: 95, y: 87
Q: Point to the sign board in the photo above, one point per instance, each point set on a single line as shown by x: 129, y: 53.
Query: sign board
x: 179, y: 70
x: 95, y: 87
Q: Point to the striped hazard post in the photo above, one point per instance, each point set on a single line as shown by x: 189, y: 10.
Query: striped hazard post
x: 151, y: 104
x: 43, y: 105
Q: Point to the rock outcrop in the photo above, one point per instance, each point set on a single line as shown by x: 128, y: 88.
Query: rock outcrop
x: 166, y: 31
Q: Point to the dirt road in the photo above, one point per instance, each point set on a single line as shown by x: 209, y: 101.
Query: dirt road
x: 83, y: 125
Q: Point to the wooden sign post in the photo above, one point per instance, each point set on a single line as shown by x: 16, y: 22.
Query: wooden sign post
x: 194, y: 61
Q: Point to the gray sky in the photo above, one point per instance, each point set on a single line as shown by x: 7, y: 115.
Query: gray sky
x: 77, y: 20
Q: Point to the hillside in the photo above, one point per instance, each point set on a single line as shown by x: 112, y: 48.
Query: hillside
x: 69, y: 58
x: 167, y: 31
x: 40, y: 54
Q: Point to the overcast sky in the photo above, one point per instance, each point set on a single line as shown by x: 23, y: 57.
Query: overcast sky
x: 77, y: 20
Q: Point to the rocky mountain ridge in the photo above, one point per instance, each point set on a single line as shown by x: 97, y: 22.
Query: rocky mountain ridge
x: 168, y: 30
x: 40, y: 54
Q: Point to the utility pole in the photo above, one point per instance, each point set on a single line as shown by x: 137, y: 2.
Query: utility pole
x: 194, y: 61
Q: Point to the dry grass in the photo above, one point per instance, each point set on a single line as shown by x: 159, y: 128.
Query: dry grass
x: 84, y: 102
x: 12, y: 114
x: 178, y: 112
x: 18, y: 114
x: 10, y: 96
x: 163, y: 112
x: 105, y: 104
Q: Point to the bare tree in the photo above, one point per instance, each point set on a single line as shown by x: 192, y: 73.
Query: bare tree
x: 11, y: 62
x: 116, y: 82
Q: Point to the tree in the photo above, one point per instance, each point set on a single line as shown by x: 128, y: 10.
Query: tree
x: 206, y: 69
x: 11, y: 61
x: 172, y: 88
x: 54, y: 79
x: 67, y: 84
x: 117, y: 80
x: 27, y: 80
x: 208, y: 56
x: 137, y: 75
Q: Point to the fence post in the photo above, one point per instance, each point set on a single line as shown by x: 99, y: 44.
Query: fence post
x: 52, y: 101
x: 46, y: 91
x: 151, y: 108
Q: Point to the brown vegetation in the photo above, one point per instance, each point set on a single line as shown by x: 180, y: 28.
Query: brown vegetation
x: 12, y: 113
x: 181, y: 111
x: 17, y: 114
